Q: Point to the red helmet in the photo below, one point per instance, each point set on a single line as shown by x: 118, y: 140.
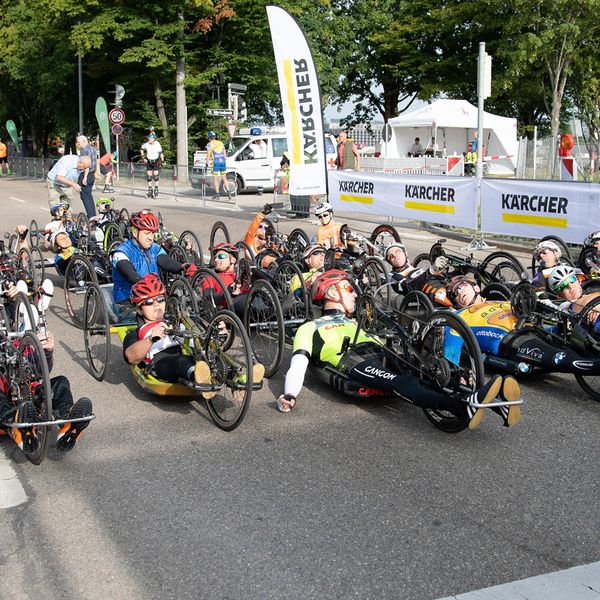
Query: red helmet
x: 226, y: 247
x: 324, y: 282
x: 144, y: 220
x: 148, y: 287
x: 452, y: 285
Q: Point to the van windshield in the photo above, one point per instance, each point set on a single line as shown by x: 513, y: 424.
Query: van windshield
x: 235, y: 143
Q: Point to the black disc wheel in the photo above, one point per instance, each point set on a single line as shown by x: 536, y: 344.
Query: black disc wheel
x: 228, y: 352
x: 189, y: 241
x: 503, y: 267
x: 450, y: 360
x: 32, y: 379
x: 212, y: 294
x: 263, y: 319
x: 297, y: 242
x: 290, y: 285
x: 496, y: 292
x: 96, y: 331
x: 374, y: 278
x: 218, y: 235
x: 23, y: 318
x: 381, y: 237
x: 34, y: 234
x: 78, y: 276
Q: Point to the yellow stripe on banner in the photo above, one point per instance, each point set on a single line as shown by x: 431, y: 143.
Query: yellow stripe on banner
x: 291, y: 98
x: 361, y: 199
x: 533, y: 220
x: 442, y: 208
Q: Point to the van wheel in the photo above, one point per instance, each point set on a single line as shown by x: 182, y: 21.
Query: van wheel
x: 235, y: 183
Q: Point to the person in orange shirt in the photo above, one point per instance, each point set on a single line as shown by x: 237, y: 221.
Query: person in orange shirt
x: 328, y: 234
x: 256, y: 235
x: 4, y: 159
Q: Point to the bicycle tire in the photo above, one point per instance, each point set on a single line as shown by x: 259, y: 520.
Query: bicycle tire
x: 23, y: 319
x: 79, y: 274
x: 96, y: 323
x: 219, y: 226
x: 212, y: 297
x: 34, y: 234
x: 191, y: 244
x: 112, y: 232
x: 380, y: 238
x: 39, y: 263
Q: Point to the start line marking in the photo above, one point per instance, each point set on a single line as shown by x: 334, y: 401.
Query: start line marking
x: 11, y: 490
x: 578, y: 583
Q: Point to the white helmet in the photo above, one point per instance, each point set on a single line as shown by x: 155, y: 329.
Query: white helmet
x: 395, y: 245
x: 592, y: 238
x: 322, y: 208
x: 311, y: 249
x: 549, y: 245
x: 559, y: 275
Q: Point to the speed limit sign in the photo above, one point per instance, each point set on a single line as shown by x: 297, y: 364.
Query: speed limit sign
x: 116, y: 116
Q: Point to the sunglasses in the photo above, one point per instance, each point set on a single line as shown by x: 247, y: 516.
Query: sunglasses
x: 565, y: 284
x: 323, y: 215
x: 221, y: 255
x: 156, y: 300
x: 316, y: 253
x: 347, y: 288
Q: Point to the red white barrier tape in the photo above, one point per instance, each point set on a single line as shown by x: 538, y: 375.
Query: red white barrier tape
x: 498, y: 156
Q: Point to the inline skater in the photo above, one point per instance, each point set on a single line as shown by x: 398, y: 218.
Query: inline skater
x: 322, y: 341
x: 152, y: 154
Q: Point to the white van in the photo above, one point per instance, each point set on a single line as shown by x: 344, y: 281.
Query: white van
x: 248, y: 172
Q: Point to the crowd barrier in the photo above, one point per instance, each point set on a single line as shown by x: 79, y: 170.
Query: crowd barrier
x: 512, y: 207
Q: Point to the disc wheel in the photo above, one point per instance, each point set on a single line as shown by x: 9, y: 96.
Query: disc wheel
x: 450, y: 359
x: 263, y: 319
x: 422, y: 261
x: 78, y: 276
x: 32, y: 379
x: 212, y: 294
x: 189, y: 241
x: 227, y: 351
x: 381, y: 237
x: 96, y: 331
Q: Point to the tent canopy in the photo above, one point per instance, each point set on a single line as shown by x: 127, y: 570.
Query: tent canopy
x: 452, y: 124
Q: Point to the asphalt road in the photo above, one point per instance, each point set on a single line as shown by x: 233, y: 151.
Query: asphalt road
x: 337, y: 499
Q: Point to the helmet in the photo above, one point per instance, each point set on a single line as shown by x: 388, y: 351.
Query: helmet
x: 592, y: 238
x: 55, y: 235
x: 148, y: 287
x: 559, y: 275
x: 226, y: 247
x: 454, y: 283
x: 56, y: 208
x: 322, y: 208
x: 211, y: 135
x: 151, y: 136
x: 311, y: 249
x: 107, y: 202
x: 144, y: 220
x: 395, y: 245
x: 546, y: 245
x: 330, y: 278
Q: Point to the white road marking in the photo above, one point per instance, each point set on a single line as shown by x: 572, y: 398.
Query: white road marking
x: 578, y: 583
x: 18, y: 200
x: 11, y: 490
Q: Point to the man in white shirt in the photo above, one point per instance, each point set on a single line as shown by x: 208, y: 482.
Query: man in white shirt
x: 62, y: 178
x: 259, y: 149
x: 152, y: 153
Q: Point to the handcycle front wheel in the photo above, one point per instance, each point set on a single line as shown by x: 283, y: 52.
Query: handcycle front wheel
x: 227, y: 351
x: 96, y: 331
x: 32, y: 378
x: 79, y: 275
x: 450, y: 357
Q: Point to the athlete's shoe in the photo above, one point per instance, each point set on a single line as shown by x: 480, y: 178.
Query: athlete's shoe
x: 216, y: 197
x: 69, y: 433
x: 156, y: 192
x: 150, y: 194
x: 484, y: 395
x: 202, y: 373
x: 258, y: 372
x: 510, y: 392
x: 26, y: 437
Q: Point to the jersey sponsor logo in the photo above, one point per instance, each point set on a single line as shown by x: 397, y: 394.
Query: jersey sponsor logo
x: 559, y: 357
x: 533, y: 353
x: 364, y: 391
x: 380, y: 373
x: 584, y: 365
x: 487, y: 333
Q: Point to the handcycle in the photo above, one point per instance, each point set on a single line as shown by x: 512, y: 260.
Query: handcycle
x: 220, y: 340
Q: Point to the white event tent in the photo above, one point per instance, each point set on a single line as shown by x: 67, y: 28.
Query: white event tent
x: 451, y: 123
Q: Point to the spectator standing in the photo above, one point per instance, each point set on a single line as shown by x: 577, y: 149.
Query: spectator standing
x: 348, y: 158
x: 4, y: 159
x: 87, y: 178
x: 63, y: 178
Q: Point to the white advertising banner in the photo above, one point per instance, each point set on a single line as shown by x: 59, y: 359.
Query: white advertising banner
x: 433, y: 199
x: 301, y: 100
x: 535, y: 209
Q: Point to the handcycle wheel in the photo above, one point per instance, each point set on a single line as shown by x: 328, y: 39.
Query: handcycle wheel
x: 26, y: 267
x: 382, y: 236
x: 82, y: 224
x: 123, y: 220
x: 39, y: 265
x: 590, y: 384
x: 263, y: 319
x: 34, y: 234
x: 211, y: 293
x: 374, y: 278
x: 218, y: 235
x: 79, y: 274
x: 244, y: 251
x: 523, y: 300
x: 228, y: 353
x: 422, y: 261
x: 12, y: 243
x: 23, y: 319
x: 436, y: 250
x: 451, y: 358
x: 588, y: 260
x: 189, y: 241
x: 497, y: 292
x: 96, y: 331
x: 177, y: 252
x: 297, y: 241
x: 32, y: 378
x: 503, y: 267
x: 414, y: 308
x: 294, y: 305
x: 182, y: 291
x: 112, y: 232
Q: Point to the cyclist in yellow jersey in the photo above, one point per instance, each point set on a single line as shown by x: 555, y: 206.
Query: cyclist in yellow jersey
x: 323, y: 341
x: 216, y: 158
x: 314, y: 259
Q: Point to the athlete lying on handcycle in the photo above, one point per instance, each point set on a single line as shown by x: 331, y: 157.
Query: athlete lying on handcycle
x: 325, y: 341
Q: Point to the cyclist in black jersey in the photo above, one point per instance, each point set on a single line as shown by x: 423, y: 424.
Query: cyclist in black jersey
x: 323, y: 340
